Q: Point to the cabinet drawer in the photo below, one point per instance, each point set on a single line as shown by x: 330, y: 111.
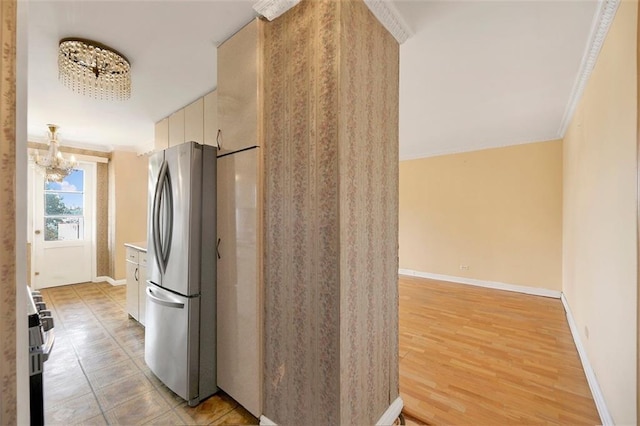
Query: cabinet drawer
x: 132, y: 255
x: 142, y: 258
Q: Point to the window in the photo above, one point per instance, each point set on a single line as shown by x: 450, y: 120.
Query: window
x: 64, y: 208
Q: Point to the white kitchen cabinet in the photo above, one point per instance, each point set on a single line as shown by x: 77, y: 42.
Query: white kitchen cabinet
x: 136, y: 267
x: 176, y: 128
x: 238, y: 86
x: 162, y: 134
x: 239, y: 209
x: 194, y: 121
x: 210, y: 118
x: 132, y: 282
x: 142, y: 286
x: 239, y: 301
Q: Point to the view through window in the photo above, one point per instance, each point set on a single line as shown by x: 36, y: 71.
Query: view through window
x: 64, y: 208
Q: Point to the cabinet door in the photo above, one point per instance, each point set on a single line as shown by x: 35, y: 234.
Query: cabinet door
x: 238, y: 89
x: 142, y: 295
x: 238, y: 346
x: 132, y: 289
x: 194, y: 121
x: 210, y: 118
x: 176, y: 128
x: 162, y: 134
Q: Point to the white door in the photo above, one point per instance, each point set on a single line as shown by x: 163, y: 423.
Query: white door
x: 63, y: 217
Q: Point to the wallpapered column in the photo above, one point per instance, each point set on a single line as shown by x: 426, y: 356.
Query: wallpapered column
x: 8, y: 403
x: 103, y: 254
x: 331, y: 206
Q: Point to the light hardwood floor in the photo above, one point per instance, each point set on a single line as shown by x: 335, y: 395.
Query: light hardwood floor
x: 470, y: 355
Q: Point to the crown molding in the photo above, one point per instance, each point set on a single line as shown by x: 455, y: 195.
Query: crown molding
x: 599, y: 29
x: 271, y: 9
x: 384, y: 10
x: 390, y: 18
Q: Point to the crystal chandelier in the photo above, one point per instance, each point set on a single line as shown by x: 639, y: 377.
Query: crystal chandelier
x: 53, y: 166
x: 93, y: 69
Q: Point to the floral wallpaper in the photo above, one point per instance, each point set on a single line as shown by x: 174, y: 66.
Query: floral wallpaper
x: 103, y: 254
x: 8, y: 403
x: 368, y: 157
x: 331, y: 233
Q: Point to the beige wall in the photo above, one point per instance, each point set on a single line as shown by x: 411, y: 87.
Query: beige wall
x: 129, y: 207
x: 600, y: 254
x: 497, y: 211
x: 638, y: 218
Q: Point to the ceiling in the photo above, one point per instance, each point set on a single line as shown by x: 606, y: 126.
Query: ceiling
x: 474, y: 74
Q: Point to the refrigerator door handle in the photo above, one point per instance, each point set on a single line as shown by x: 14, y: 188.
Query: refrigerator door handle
x: 168, y: 303
x: 157, y: 200
x: 163, y: 203
x: 168, y: 205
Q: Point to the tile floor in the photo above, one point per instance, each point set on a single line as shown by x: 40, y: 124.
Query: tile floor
x: 96, y: 374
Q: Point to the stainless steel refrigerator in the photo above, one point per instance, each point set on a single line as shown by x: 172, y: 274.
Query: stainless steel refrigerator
x: 180, y: 332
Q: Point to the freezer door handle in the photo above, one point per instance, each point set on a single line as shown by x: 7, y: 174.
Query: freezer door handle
x: 164, y: 302
x: 162, y: 208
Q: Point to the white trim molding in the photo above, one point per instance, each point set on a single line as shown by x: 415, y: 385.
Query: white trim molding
x: 390, y: 18
x: 387, y: 418
x: 264, y: 421
x: 598, y: 397
x: 535, y: 291
x: 599, y: 30
x: 271, y: 9
x: 384, y: 10
x: 392, y: 413
x: 109, y: 280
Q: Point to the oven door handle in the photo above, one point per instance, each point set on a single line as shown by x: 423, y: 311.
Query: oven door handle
x: 49, y: 340
x: 164, y: 302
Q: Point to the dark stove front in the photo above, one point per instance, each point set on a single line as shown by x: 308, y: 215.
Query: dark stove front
x: 41, y: 340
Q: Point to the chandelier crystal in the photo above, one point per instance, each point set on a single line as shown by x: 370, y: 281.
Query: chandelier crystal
x: 93, y: 69
x: 54, y: 166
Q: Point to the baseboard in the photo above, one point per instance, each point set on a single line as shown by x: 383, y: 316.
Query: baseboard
x: 266, y: 422
x: 392, y: 413
x: 109, y: 280
x: 535, y: 291
x: 598, y: 397
x: 388, y: 417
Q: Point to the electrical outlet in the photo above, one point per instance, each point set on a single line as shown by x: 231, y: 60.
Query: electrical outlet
x: 586, y: 332
x: 464, y: 267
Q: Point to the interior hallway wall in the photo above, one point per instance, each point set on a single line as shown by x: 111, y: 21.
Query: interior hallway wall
x: 8, y: 254
x: 638, y: 217
x: 600, y: 257
x: 497, y: 212
x: 331, y: 173
x: 129, y: 185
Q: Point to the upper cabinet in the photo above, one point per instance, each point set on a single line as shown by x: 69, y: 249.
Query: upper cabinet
x: 210, y: 118
x: 197, y: 122
x: 176, y: 128
x: 194, y: 121
x: 162, y: 134
x: 238, y: 60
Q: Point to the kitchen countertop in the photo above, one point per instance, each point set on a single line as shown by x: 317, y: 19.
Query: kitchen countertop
x: 142, y: 246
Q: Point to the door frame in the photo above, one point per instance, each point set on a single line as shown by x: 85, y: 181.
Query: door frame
x: 31, y: 215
